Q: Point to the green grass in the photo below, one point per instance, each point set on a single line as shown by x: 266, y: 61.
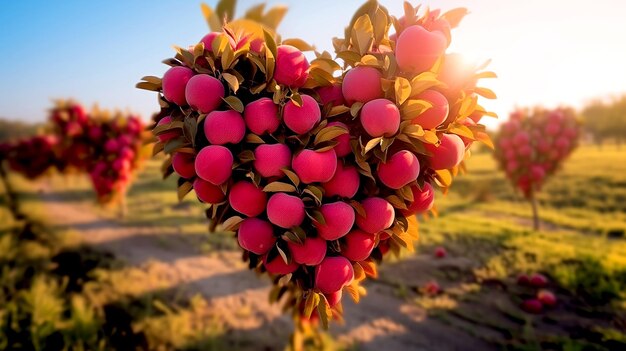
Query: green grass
x: 56, y: 294
x: 581, y: 248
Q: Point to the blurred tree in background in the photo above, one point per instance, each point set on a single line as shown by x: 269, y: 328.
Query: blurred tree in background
x: 606, y: 120
x: 10, y: 129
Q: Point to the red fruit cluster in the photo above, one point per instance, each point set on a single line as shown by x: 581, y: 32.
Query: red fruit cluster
x: 319, y: 170
x: 542, y: 299
x: 532, y: 145
x: 116, y: 146
x: 31, y: 157
x: 106, y: 146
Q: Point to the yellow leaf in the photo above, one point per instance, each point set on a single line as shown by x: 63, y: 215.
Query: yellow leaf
x: 298, y: 44
x: 353, y: 291
x: 338, y: 110
x: 231, y: 224
x: 255, y: 13
x: 485, y: 74
x: 212, y: 19
x: 424, y: 81
x: 443, y: 178
x: 413, y: 108
x: 363, y: 34
x: 312, y: 300
x: 274, y: 16
x: 254, y: 139
x: 232, y: 81
x: 380, y: 24
x: 371, y: 144
x: 234, y: 103
x: 485, y: 139
x: 225, y: 9
x: 429, y: 137
x: 183, y: 190
x: 359, y: 273
x: 402, y: 88
x: 279, y: 187
x: 329, y: 133
x: 485, y: 92
x: 461, y: 130
x: 369, y: 60
x: 455, y: 16
x: 324, y: 311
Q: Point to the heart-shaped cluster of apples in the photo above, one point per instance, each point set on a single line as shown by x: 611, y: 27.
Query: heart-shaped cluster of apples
x: 318, y: 168
x: 532, y: 145
x: 105, y: 145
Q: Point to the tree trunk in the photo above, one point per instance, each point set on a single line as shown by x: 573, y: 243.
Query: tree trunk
x: 535, y: 207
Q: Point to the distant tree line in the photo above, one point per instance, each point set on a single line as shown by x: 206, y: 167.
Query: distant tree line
x: 10, y: 129
x: 606, y: 120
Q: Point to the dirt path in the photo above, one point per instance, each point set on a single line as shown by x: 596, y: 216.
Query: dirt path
x: 380, y: 321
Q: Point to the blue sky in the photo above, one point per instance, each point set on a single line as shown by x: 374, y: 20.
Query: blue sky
x: 549, y: 52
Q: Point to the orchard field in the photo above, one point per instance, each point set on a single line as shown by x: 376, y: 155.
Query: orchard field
x: 175, y: 286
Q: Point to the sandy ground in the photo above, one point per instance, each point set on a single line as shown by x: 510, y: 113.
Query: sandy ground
x: 381, y: 321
